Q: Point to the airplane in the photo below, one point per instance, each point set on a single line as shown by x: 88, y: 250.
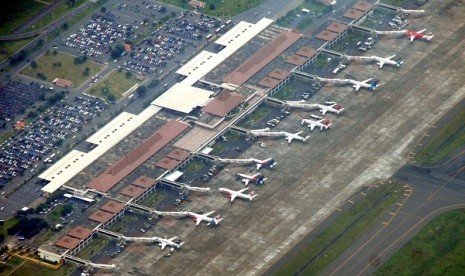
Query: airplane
x: 387, y: 60
x: 233, y: 194
x: 291, y: 136
x: 332, y: 107
x: 368, y: 83
x: 412, y: 35
x: 198, y: 218
x: 270, y: 163
x: 323, y: 124
x: 169, y: 242
x: 257, y: 178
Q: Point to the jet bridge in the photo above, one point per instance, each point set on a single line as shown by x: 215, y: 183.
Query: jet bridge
x: 88, y: 264
x: 183, y: 186
x: 302, y: 104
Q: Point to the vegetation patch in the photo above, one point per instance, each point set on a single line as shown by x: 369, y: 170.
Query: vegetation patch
x: 113, y: 86
x: 219, y: 8
x: 153, y: 199
x: 284, y: 93
x: 16, y: 13
x: 8, y: 48
x: 438, y: 249
x: 55, y: 64
x: 447, y: 140
x: 254, y: 117
x: 61, y: 10
x: 315, y: 8
x: 347, y: 227
x: 32, y: 269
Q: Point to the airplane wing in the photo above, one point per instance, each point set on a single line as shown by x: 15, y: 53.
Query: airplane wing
x: 209, y: 213
x: 233, y: 196
x: 242, y: 190
x: 412, y: 37
x: 391, y: 57
x: 246, y: 181
x: 163, y: 245
x: 289, y: 139
x: 422, y: 31
x: 258, y: 166
x: 312, y: 126
x: 323, y: 111
x: 381, y: 63
x: 356, y: 86
x: 367, y: 80
x: 198, y: 220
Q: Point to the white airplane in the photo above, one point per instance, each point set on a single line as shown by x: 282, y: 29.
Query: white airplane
x: 198, y: 218
x: 368, y: 83
x: 270, y: 163
x: 233, y: 194
x: 291, y: 136
x: 322, y: 124
x: 169, y: 242
x: 257, y: 178
x: 387, y: 60
x: 332, y: 107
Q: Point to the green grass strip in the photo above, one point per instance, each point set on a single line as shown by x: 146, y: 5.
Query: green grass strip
x: 438, y: 249
x: 343, y: 231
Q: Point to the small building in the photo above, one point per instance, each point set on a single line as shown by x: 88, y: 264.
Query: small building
x: 127, y: 47
x: 328, y: 2
x: 62, y: 82
x: 197, y: 4
x: 224, y: 103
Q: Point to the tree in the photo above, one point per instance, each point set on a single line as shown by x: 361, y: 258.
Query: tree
x: 117, y: 51
x: 212, y: 6
x: 111, y: 98
x: 141, y: 90
x: 86, y: 72
x: 153, y: 83
x: 162, y: 9
x: 32, y: 114
x: 65, y: 26
x: 33, y: 64
x: 103, y: 10
x: 68, y: 208
x: 128, y: 74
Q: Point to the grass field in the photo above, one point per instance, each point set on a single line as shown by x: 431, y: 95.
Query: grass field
x: 219, y: 8
x: 285, y: 92
x: 255, y: 116
x: 16, y: 13
x: 305, y: 20
x: 438, y: 249
x: 94, y: 246
x: 113, y: 86
x: 343, y: 231
x: 447, y: 140
x: 7, y: 48
x: 56, y: 13
x: 153, y: 199
x: 8, y: 267
x: 68, y: 69
x: 31, y: 269
x: 8, y: 223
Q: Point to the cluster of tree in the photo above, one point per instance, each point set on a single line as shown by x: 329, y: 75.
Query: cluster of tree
x: 67, y: 209
x: 80, y: 60
x: 56, y: 98
x: 141, y: 90
x: 41, y: 76
x: 153, y: 83
x: 57, y: 64
x: 117, y: 51
x: 27, y: 227
x: 86, y: 72
x: 22, y: 55
x: 33, y: 64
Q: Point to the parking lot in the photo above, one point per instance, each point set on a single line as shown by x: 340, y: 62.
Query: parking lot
x: 141, y: 37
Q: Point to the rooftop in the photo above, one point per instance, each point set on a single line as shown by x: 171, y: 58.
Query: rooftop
x: 264, y: 56
x: 279, y: 74
x: 183, y: 98
x: 179, y: 154
x: 326, y: 35
x: 112, y: 206
x: 133, y: 159
x: 80, y: 232
x: 167, y: 163
x: 305, y: 52
x: 144, y: 182
x: 269, y: 82
x: 296, y: 60
x: 363, y: 6
x: 224, y: 103
x: 62, y: 82
x: 353, y: 14
x: 100, y: 216
x: 68, y: 242
x: 336, y: 27
x: 132, y: 191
